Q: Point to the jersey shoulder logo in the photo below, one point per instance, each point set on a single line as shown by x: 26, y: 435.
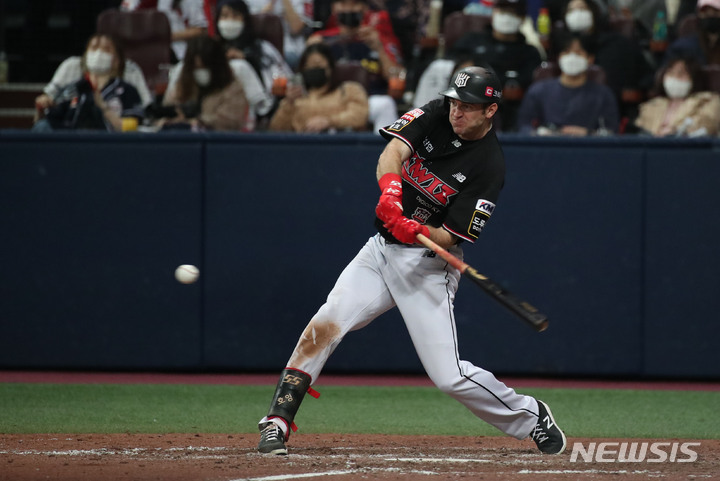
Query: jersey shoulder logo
x: 405, y: 120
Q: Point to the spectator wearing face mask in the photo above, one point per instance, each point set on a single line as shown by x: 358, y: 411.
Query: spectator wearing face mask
x: 100, y: 99
x: 628, y: 73
x: 527, y: 27
x: 230, y: 25
x: 235, y: 28
x: 207, y: 96
x: 681, y: 109
x: 366, y: 36
x: 570, y: 104
x: 320, y: 104
x: 71, y: 69
x: 704, y: 45
x: 504, y: 48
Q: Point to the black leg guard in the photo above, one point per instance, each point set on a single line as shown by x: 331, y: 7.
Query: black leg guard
x: 289, y: 393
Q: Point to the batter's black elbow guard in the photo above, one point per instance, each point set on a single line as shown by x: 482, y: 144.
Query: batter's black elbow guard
x: 289, y: 393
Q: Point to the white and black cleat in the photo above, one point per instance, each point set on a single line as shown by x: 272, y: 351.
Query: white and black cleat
x: 547, y: 434
x: 272, y: 440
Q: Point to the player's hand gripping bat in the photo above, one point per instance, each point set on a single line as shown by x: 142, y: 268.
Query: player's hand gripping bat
x: 527, y: 312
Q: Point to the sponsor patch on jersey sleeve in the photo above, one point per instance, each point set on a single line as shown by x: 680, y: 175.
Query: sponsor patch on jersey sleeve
x: 405, y: 120
x: 483, y: 211
x: 485, y: 206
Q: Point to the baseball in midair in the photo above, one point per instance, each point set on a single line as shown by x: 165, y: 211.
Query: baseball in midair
x: 187, y: 273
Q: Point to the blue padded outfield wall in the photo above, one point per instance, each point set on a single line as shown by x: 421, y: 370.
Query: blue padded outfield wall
x: 615, y: 239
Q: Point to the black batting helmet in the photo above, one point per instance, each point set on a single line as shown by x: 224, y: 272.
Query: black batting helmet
x: 474, y: 85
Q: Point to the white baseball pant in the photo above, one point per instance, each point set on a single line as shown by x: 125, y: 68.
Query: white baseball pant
x: 423, y: 288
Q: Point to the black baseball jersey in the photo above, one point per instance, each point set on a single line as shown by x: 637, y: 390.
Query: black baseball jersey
x: 447, y: 181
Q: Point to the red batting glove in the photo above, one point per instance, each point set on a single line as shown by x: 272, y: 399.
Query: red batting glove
x: 405, y: 230
x: 390, y: 204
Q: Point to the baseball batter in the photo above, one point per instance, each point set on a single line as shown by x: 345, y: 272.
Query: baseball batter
x: 440, y: 175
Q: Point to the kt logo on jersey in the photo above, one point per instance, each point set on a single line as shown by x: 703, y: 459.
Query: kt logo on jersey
x: 425, y: 181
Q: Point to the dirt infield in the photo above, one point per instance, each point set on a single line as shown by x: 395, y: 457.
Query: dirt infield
x: 332, y: 457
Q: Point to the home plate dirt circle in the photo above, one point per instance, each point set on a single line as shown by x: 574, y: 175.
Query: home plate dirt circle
x: 331, y: 457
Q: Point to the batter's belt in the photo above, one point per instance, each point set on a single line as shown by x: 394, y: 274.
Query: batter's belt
x: 389, y: 239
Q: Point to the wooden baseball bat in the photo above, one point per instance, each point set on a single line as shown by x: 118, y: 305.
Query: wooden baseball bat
x: 526, y: 311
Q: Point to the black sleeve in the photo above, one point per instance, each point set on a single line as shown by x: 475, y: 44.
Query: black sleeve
x: 472, y: 209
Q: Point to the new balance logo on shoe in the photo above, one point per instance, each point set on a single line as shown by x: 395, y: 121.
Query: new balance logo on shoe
x: 548, y: 437
x: 548, y: 422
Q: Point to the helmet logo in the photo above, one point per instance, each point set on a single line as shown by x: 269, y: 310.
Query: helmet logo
x: 489, y: 92
x: 461, y: 79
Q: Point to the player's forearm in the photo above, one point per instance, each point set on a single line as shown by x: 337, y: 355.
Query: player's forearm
x: 442, y: 237
x: 392, y: 157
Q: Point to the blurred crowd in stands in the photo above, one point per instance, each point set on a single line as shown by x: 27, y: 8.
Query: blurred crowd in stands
x: 569, y: 67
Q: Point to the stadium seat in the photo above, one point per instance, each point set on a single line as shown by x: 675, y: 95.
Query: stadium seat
x: 623, y: 25
x: 347, y: 70
x: 711, y: 77
x: 268, y: 26
x: 687, y: 25
x: 145, y: 37
x: 456, y: 24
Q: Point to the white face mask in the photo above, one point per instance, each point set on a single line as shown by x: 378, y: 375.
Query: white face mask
x: 506, y: 23
x: 579, y: 20
x: 676, y: 88
x: 202, y: 76
x: 573, y: 64
x: 230, y: 29
x: 98, y: 62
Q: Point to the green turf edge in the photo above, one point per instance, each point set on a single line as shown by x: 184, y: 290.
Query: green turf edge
x: 146, y: 408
